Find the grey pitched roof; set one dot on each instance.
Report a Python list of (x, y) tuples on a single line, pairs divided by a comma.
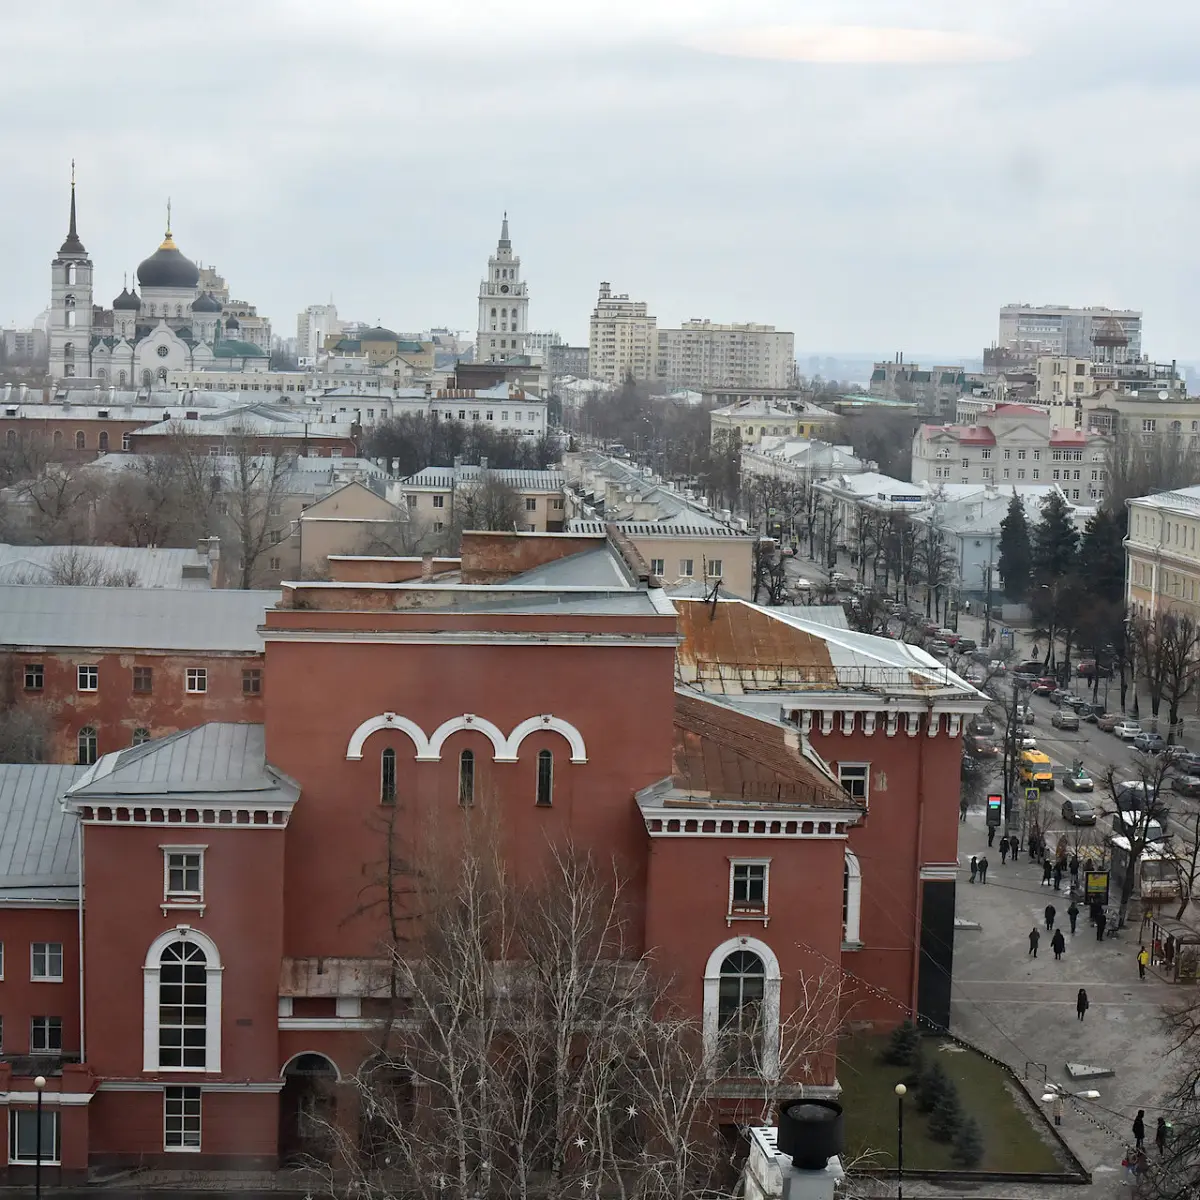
[(589, 568), (523, 481), (38, 851), (213, 762), (133, 618), (666, 529), (153, 567)]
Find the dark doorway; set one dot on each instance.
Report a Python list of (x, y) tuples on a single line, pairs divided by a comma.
[(307, 1109)]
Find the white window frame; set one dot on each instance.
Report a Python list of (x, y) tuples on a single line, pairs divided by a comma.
[(772, 984), (184, 1100), (34, 977), (715, 566), (687, 568), (94, 676), (852, 926), (46, 1049), (866, 779), (51, 1155), (182, 900), (151, 973), (196, 681), (658, 566), (762, 914)]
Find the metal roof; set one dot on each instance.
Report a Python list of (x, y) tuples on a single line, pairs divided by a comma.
[(38, 852), (216, 761), (133, 618), (448, 477), (589, 568), (153, 567)]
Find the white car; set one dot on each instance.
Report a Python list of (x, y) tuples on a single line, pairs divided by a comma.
[(1127, 730), (1025, 740)]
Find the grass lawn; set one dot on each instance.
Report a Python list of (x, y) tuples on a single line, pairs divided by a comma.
[(1011, 1141)]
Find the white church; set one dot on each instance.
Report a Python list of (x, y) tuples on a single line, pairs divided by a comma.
[(173, 325)]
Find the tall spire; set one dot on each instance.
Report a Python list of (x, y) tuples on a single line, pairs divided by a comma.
[(168, 242), (72, 244), (505, 244)]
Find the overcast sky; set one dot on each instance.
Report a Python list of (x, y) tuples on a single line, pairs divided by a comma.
[(872, 174)]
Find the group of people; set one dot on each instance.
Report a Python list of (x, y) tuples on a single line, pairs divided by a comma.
[(1058, 943)]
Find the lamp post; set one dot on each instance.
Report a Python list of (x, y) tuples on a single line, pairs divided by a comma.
[(39, 1085), (1055, 1094), (900, 1093)]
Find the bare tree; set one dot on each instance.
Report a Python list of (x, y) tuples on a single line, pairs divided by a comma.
[(77, 566), (23, 735), (1185, 859), (1179, 657), (489, 504), (1135, 797), (252, 485), (59, 500)]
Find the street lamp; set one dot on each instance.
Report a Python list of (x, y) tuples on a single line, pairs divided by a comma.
[(900, 1093), (39, 1085)]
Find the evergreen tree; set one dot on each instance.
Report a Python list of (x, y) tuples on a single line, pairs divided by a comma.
[(932, 1086), (1055, 542), (1102, 557), (946, 1117), (1015, 551), (967, 1150), (904, 1046)]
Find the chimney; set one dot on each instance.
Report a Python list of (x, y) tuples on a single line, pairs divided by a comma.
[(457, 461), (426, 566)]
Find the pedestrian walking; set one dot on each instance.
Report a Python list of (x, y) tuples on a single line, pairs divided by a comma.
[(1047, 870), (1139, 1129), (974, 867), (1081, 1003), (962, 809), (1050, 913), (1034, 938), (1058, 874), (983, 866), (1074, 868), (1160, 1135), (1143, 957), (991, 835), (1058, 944), (1101, 921), (1058, 1107), (1032, 846), (1014, 845), (1003, 850), (1073, 916), (1094, 910)]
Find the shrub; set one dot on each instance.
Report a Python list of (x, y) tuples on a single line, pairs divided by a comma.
[(903, 1046), (967, 1150), (946, 1117), (932, 1086)]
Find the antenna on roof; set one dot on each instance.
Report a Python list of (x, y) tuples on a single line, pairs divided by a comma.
[(711, 600)]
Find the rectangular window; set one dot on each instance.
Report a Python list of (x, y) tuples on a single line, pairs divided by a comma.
[(1007, 454), (197, 679), (1, 960), (89, 679), (657, 566), (966, 463), (748, 888), (45, 1035), (183, 873), (439, 502), (181, 1118), (685, 567), (35, 677), (23, 1137), (855, 778), (985, 454), (714, 566), (1037, 456), (531, 504), (46, 962), (275, 564), (1020, 454), (252, 682), (143, 680)]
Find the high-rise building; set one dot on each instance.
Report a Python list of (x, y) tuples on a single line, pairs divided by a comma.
[(313, 326), (704, 354), (543, 340), (503, 305), (1029, 330), (622, 339)]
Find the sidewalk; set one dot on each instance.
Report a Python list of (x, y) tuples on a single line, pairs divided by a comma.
[(1022, 1010)]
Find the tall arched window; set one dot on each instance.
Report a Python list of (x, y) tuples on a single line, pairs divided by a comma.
[(181, 1021), (147, 378), (10, 438), (851, 900), (58, 439), (162, 374), (71, 274), (466, 778), (545, 778), (121, 378), (85, 746), (179, 310), (80, 440), (68, 350), (740, 997), (102, 441), (387, 777)]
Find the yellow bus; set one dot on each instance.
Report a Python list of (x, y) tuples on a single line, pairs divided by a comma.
[(1034, 770)]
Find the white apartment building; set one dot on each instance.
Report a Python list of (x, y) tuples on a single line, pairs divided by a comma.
[(1035, 329), (313, 326), (622, 338), (1162, 560), (505, 407), (702, 353), (1014, 444)]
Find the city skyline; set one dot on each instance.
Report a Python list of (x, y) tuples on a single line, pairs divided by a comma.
[(938, 169)]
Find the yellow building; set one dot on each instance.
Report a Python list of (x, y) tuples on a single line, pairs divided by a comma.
[(433, 495), (752, 420), (1162, 559)]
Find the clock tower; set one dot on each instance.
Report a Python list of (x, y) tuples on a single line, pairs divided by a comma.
[(503, 305)]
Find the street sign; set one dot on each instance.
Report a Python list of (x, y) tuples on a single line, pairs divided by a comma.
[(994, 810), (1033, 795)]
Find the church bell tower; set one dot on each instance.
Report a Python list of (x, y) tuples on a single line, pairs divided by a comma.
[(70, 333)]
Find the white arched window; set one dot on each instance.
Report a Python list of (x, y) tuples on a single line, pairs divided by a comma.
[(851, 900), (741, 1008), (181, 1019)]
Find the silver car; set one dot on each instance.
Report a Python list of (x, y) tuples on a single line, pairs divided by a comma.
[(1063, 718)]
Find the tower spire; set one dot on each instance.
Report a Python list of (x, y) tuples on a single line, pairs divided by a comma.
[(72, 244), (168, 242), (505, 244)]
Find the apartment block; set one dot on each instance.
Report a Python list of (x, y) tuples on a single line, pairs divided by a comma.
[(702, 353), (622, 338)]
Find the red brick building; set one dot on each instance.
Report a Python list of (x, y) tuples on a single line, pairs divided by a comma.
[(226, 953)]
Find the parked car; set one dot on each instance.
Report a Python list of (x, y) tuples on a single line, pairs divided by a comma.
[(1077, 811), (981, 747), (1127, 730), (1025, 739), (1087, 669), (965, 645), (1031, 666), (1044, 686), (1023, 679), (1063, 718), (1109, 721), (1186, 785), (982, 656), (997, 666), (1077, 703), (938, 648), (1059, 696), (1024, 714), (1186, 762), (1090, 712), (1078, 780), (983, 726), (1150, 743)]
